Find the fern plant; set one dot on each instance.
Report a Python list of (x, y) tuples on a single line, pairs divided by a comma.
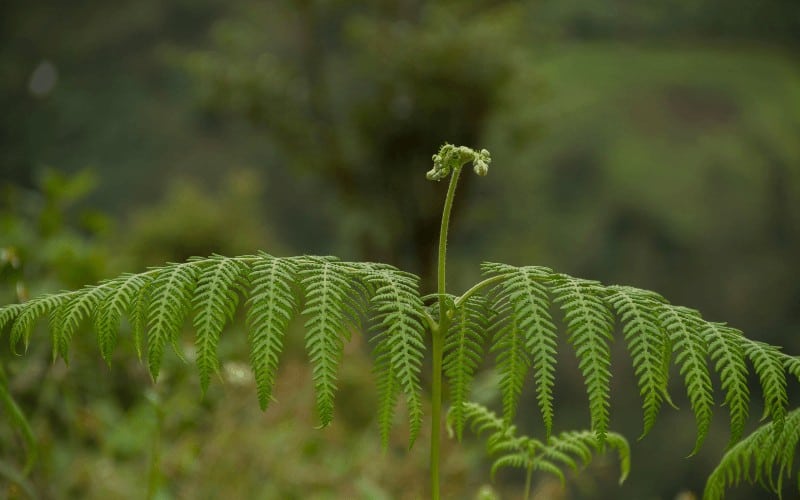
[(514, 313)]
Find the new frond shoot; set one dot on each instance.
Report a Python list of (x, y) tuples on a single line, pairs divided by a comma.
[(512, 314)]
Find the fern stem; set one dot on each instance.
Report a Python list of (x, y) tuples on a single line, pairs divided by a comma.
[(476, 288), (528, 476), (438, 337), (448, 207)]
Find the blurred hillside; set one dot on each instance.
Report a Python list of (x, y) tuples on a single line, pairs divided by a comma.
[(649, 143)]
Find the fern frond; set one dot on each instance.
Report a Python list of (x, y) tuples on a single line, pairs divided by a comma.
[(28, 312), (168, 303), (328, 288), (272, 304), (123, 296), (525, 290), (565, 450), (463, 352), (399, 319), (388, 390), (335, 295), (766, 457), (725, 351), (582, 444), (792, 364), (683, 326), (66, 319), (768, 363), (590, 325), (215, 301), (648, 345), (513, 360), (8, 314)]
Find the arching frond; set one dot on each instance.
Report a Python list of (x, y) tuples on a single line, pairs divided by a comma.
[(8, 314), (66, 318), (388, 390), (29, 312), (683, 326), (334, 296), (463, 352), (648, 345), (526, 294), (168, 303), (122, 297), (327, 289), (792, 364), (271, 305), (725, 351), (590, 325), (215, 300), (400, 324), (768, 363), (513, 360), (654, 331), (767, 457), (565, 450)]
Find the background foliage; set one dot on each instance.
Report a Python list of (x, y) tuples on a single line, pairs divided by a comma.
[(654, 145)]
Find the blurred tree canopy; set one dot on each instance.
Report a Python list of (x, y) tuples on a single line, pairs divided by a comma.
[(633, 142), (361, 94)]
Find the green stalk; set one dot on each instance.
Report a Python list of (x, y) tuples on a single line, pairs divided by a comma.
[(475, 289), (528, 476), (438, 339)]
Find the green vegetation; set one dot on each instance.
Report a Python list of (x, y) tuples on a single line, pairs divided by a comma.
[(509, 310), (652, 144)]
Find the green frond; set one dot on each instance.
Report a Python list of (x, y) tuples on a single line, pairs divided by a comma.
[(335, 295), (66, 319), (271, 305), (648, 346), (8, 314), (683, 326), (399, 319), (569, 447), (792, 364), (215, 301), (590, 325), (513, 360), (328, 288), (388, 390), (122, 298), (168, 303), (766, 457), (727, 355), (768, 363), (463, 352), (525, 290), (565, 450), (29, 312)]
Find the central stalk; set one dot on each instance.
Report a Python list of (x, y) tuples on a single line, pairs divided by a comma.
[(448, 161)]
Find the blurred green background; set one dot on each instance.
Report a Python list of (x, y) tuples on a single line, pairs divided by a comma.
[(648, 143)]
